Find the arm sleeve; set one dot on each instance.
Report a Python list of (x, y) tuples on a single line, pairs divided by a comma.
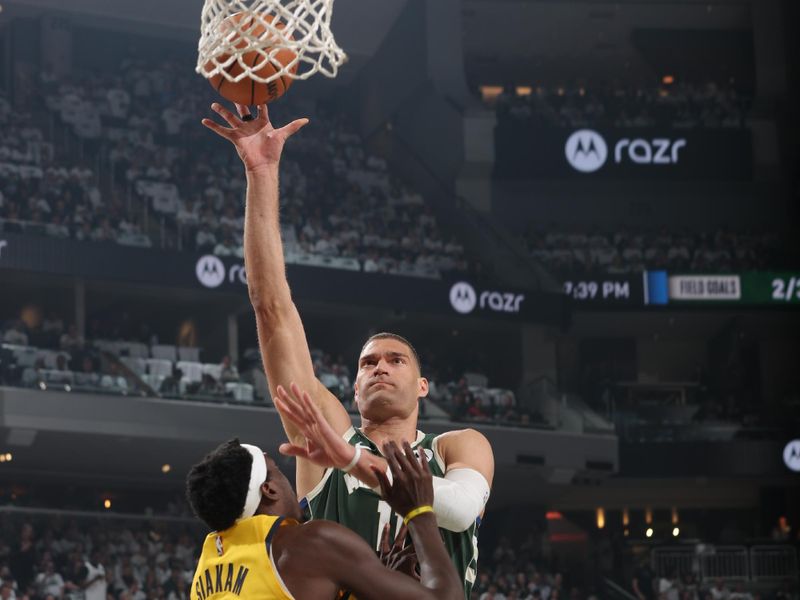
[(459, 498)]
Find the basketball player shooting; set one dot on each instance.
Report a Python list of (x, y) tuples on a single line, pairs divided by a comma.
[(338, 483)]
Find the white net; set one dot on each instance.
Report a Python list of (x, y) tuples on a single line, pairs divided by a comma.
[(241, 38)]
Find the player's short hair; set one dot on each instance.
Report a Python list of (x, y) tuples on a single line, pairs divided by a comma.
[(385, 335), (216, 487)]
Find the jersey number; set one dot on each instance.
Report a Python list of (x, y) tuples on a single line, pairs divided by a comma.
[(384, 516)]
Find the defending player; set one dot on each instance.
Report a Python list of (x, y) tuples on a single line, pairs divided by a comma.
[(388, 384), (258, 549)]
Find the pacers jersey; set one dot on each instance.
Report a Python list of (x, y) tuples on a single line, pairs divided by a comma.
[(343, 498), (237, 562)]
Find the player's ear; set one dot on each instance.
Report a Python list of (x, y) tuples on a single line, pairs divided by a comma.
[(269, 492), (422, 385)]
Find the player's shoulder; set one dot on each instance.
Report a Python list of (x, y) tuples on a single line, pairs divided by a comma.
[(458, 436), (316, 541)]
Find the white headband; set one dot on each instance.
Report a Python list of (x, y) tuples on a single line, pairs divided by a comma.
[(258, 475)]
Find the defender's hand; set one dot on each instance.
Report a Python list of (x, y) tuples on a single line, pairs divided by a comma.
[(397, 557), (258, 143), (324, 447), (412, 485)]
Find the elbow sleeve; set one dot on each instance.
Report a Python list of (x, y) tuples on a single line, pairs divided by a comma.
[(459, 498)]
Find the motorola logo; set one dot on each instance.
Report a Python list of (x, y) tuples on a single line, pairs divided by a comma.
[(463, 297), (210, 271), (791, 455), (586, 151)]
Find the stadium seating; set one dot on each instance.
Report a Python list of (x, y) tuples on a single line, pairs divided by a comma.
[(681, 105)]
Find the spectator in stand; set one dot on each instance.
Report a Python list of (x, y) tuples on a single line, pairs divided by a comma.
[(113, 379), (170, 386), (71, 341), (720, 591), (643, 581), (15, 334), (228, 371), (48, 582)]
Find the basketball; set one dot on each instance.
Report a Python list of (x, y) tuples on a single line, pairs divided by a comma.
[(248, 91)]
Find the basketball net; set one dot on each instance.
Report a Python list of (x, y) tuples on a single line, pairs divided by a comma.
[(267, 27)]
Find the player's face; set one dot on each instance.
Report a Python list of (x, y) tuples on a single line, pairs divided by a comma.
[(285, 502), (388, 382)]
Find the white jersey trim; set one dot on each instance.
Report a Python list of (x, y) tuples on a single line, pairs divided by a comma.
[(436, 455)]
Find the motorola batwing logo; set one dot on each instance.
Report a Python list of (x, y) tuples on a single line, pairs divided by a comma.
[(586, 150), (463, 297), (210, 271), (791, 455)]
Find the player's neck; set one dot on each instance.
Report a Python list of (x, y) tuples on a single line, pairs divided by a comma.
[(394, 430)]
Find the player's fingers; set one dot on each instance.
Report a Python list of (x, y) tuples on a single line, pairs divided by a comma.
[(408, 551), (232, 120), (244, 111), (263, 113), (286, 404), (400, 538), (391, 452), (306, 408), (217, 128), (424, 462), (383, 481), (385, 539), (293, 450), (303, 400), (407, 458), (293, 127)]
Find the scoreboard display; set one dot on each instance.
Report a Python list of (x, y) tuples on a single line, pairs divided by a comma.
[(752, 288)]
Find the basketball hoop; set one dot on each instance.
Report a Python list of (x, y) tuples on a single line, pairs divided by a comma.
[(233, 29)]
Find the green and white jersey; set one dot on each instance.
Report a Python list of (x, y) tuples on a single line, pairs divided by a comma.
[(343, 498)]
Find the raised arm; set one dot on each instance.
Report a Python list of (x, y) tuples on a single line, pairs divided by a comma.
[(281, 336)]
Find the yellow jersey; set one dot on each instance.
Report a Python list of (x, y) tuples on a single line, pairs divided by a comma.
[(237, 563)]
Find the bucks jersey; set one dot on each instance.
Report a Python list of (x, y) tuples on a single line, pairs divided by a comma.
[(237, 563), (345, 499)]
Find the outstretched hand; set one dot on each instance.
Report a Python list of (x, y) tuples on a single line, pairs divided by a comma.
[(412, 481), (258, 143), (324, 447)]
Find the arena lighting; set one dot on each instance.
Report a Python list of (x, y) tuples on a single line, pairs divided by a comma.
[(166, 468), (649, 532), (553, 515), (648, 515), (601, 518), (8, 456), (490, 92), (106, 503), (524, 90), (626, 517), (676, 532), (626, 532), (674, 515), (668, 80)]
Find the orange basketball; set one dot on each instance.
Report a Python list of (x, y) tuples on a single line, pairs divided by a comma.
[(249, 91)]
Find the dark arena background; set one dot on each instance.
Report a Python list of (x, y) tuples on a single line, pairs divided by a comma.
[(583, 214)]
